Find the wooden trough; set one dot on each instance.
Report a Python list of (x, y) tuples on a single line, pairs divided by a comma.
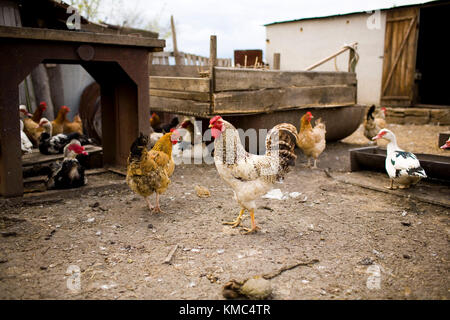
[(235, 93), (373, 158)]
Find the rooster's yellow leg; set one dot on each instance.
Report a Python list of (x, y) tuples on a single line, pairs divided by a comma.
[(315, 164), (157, 209), (150, 207), (236, 222), (254, 226), (308, 165)]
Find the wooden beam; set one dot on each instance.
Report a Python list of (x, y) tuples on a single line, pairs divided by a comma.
[(231, 79), (180, 84), (184, 95), (212, 65), (400, 18), (283, 98), (213, 51), (174, 71), (178, 106), (343, 49), (179, 60), (83, 37), (396, 98)]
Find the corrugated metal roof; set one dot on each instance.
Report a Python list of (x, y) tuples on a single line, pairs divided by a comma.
[(358, 12)]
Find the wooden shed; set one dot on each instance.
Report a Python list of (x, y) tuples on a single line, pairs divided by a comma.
[(402, 51), (119, 63)]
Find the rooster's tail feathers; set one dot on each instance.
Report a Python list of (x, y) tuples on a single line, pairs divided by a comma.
[(282, 138), (370, 112)]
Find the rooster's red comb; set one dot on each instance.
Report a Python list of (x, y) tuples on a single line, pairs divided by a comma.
[(214, 119)]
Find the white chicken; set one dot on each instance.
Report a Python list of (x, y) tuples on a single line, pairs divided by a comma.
[(27, 146), (249, 175), (402, 167)]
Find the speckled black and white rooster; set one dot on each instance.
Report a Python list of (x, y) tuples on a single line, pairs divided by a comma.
[(68, 173), (249, 175), (402, 167)]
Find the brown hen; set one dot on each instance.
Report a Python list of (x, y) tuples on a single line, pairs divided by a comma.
[(149, 172)]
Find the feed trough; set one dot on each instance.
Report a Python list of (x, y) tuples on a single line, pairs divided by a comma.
[(373, 158)]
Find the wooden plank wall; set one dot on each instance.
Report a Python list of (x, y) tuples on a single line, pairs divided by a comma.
[(245, 91), (183, 95), (253, 91)]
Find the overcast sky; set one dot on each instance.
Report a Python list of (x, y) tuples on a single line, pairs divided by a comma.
[(238, 24)]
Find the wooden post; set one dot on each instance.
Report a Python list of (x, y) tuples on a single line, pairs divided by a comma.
[(351, 65), (11, 183), (178, 59), (276, 61), (213, 52), (212, 64)]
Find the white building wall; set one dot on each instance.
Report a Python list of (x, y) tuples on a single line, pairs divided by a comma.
[(306, 42)]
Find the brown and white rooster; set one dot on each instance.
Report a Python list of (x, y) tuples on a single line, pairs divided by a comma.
[(311, 140), (249, 175)]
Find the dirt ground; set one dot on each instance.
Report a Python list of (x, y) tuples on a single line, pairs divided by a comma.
[(369, 244)]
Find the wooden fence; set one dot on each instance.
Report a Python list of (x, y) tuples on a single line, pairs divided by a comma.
[(188, 59)]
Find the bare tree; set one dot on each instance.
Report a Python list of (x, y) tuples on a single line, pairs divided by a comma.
[(117, 13)]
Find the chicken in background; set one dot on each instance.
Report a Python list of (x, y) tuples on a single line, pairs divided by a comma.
[(446, 145), (401, 166), (54, 144), (61, 118), (31, 128), (311, 140), (155, 121), (149, 172), (171, 125), (372, 125), (75, 126), (37, 115), (190, 144), (249, 175), (68, 173), (25, 143), (380, 118), (186, 136)]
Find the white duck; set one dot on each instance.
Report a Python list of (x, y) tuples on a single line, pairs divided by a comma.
[(27, 146), (402, 167)]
